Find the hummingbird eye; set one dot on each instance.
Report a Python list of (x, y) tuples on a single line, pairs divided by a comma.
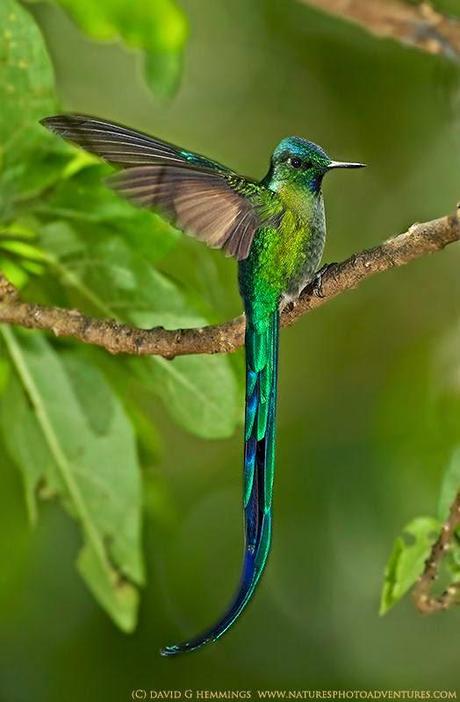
[(295, 162)]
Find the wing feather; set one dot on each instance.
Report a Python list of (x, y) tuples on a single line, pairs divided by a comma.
[(122, 146), (200, 196), (201, 203)]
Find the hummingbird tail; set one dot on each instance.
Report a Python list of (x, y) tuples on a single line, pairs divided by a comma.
[(259, 462)]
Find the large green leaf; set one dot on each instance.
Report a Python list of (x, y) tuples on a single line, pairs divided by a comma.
[(27, 81), (28, 158), (71, 438), (199, 392), (407, 559), (110, 278), (156, 27)]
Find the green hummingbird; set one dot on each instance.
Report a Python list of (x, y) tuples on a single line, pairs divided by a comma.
[(276, 230)]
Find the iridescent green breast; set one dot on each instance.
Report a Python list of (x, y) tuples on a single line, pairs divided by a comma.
[(284, 258), (313, 239)]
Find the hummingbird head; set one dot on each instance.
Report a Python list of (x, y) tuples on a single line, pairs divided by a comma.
[(296, 160)]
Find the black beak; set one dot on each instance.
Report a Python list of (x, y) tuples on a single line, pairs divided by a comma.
[(345, 164)]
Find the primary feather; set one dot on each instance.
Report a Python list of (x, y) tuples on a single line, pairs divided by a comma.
[(122, 146)]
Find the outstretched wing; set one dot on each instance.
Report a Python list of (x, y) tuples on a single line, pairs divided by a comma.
[(200, 196), (122, 146)]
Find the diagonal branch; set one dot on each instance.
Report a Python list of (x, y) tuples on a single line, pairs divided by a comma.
[(419, 240), (417, 25)]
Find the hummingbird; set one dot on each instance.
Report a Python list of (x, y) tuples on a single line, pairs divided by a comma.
[(275, 228)]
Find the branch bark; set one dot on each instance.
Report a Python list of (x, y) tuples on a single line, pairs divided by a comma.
[(424, 600), (416, 25), (419, 240)]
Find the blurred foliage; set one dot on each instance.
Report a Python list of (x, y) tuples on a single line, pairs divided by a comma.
[(62, 421), (408, 557), (411, 550), (158, 28), (19, 256), (73, 441)]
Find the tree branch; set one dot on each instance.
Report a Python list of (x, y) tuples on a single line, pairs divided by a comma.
[(419, 240), (423, 598), (416, 25)]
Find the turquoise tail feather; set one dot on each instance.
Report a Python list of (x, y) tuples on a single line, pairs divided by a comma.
[(259, 461)]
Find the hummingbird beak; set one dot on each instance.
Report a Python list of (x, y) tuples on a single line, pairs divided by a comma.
[(345, 164)]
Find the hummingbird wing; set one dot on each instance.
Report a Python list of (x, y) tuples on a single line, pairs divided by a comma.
[(122, 146), (221, 210), (201, 197)]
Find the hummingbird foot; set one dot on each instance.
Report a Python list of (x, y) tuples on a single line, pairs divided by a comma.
[(288, 302), (317, 283)]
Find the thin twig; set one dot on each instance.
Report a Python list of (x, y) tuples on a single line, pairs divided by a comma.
[(419, 240), (416, 25), (424, 600)]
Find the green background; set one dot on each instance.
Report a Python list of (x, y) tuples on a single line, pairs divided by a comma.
[(369, 384)]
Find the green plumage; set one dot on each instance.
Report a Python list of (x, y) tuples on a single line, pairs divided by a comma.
[(276, 231)]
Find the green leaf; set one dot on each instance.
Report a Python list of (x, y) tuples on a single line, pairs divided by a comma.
[(22, 249), (18, 257), (5, 369), (18, 230), (136, 404), (450, 485), (27, 85), (26, 94), (33, 455), (199, 392), (407, 559), (156, 27), (13, 272), (71, 438)]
